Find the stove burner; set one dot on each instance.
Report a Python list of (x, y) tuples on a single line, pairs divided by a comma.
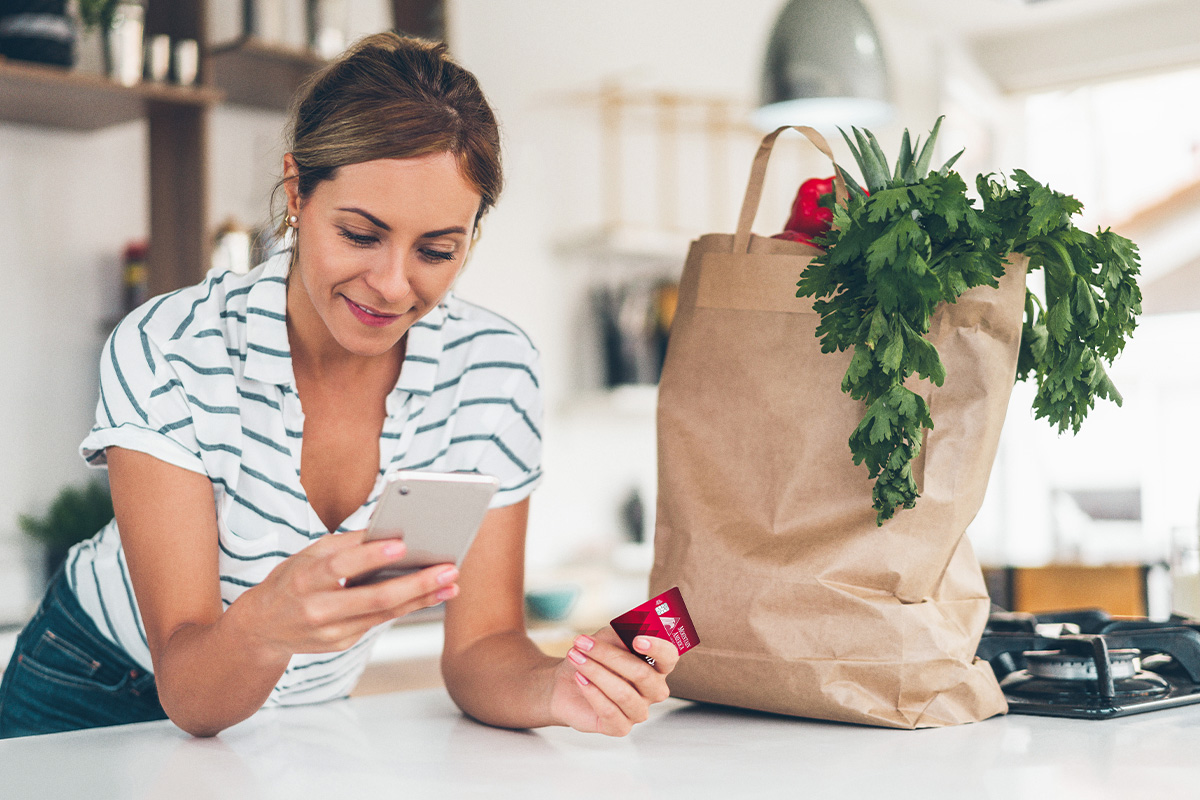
[(1143, 685), (1057, 665), (1088, 665)]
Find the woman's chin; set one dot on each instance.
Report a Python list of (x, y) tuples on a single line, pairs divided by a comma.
[(370, 347)]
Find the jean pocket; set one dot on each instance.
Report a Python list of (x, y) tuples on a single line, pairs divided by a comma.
[(74, 676), (41, 699), (58, 654)]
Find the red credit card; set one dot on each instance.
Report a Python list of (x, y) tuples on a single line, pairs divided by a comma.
[(664, 617)]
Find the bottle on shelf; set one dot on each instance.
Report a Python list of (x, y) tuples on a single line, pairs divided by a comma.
[(134, 275)]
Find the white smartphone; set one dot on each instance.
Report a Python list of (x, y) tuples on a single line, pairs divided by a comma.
[(437, 514)]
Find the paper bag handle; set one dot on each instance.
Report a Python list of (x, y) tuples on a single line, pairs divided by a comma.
[(758, 173)]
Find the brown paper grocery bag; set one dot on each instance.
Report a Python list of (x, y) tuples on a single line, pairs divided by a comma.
[(803, 604)]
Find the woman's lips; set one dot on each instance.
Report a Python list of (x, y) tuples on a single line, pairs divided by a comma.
[(369, 316)]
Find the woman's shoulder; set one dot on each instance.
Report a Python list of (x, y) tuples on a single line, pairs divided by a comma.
[(199, 315)]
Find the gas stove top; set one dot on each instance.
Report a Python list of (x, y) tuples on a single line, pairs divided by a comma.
[(1089, 665)]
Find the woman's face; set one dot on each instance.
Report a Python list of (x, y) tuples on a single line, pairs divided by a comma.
[(379, 246)]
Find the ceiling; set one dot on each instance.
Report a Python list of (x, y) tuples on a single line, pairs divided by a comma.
[(975, 17), (1034, 45)]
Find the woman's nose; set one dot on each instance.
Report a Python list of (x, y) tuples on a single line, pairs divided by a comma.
[(391, 280)]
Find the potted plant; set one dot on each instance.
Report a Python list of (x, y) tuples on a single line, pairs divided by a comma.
[(120, 27), (77, 513), (97, 14)]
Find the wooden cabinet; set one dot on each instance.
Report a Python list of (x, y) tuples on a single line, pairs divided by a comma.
[(1119, 589)]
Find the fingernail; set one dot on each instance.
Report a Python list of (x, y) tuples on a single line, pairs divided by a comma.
[(641, 643), (446, 594), (576, 656), (581, 680), (584, 643), (447, 576), (393, 549)]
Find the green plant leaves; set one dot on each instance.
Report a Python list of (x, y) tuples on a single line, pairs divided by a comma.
[(74, 515), (917, 241), (1092, 299)]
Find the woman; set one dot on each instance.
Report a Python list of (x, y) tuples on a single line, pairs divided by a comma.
[(248, 423)]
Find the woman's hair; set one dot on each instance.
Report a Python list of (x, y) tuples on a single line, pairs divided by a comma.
[(389, 96)]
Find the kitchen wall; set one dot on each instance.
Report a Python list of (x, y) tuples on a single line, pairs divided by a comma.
[(68, 203)]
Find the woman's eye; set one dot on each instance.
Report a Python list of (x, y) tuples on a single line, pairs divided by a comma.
[(438, 256), (357, 239)]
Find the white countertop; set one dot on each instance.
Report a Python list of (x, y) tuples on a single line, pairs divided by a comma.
[(418, 745)]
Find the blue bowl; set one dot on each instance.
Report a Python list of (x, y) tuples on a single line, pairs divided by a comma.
[(553, 603)]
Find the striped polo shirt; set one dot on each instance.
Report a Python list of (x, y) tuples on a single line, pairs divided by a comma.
[(202, 378)]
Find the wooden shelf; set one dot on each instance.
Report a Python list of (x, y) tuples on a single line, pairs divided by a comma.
[(50, 96), (256, 73)]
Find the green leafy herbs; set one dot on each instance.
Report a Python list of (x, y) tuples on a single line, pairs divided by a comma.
[(912, 240), (1091, 299)]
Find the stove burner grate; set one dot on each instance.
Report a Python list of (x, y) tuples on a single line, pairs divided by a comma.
[(1143, 685), (1112, 668)]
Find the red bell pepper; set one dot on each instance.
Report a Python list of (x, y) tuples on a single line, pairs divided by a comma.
[(808, 215)]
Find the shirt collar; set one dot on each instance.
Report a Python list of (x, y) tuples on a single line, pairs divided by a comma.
[(422, 353), (268, 353)]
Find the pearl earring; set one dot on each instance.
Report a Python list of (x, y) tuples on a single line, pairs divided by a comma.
[(293, 221)]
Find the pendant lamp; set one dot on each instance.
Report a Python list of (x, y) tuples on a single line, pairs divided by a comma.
[(824, 67)]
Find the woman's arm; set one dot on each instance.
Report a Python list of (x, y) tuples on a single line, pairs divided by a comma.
[(215, 669), (497, 675)]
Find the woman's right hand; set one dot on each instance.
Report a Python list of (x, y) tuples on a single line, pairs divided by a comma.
[(303, 606)]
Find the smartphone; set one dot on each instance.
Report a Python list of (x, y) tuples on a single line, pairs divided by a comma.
[(437, 514)]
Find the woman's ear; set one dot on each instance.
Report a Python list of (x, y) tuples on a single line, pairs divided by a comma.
[(291, 184)]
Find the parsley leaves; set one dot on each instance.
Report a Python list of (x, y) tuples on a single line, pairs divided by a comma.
[(913, 240)]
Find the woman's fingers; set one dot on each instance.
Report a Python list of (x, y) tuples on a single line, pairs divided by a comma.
[(610, 718), (432, 584), (628, 684), (396, 597), (333, 615), (350, 629), (664, 654), (648, 679), (354, 559)]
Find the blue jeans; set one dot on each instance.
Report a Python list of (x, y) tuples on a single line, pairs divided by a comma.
[(65, 675)]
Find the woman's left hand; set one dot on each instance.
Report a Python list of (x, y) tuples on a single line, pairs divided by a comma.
[(602, 687)]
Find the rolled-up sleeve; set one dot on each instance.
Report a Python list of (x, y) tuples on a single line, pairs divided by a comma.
[(143, 404)]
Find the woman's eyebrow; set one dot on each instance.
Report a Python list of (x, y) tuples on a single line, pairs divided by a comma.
[(443, 232), (376, 221), (371, 217)]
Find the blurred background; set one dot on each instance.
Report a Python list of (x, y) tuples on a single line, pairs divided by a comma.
[(628, 126)]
